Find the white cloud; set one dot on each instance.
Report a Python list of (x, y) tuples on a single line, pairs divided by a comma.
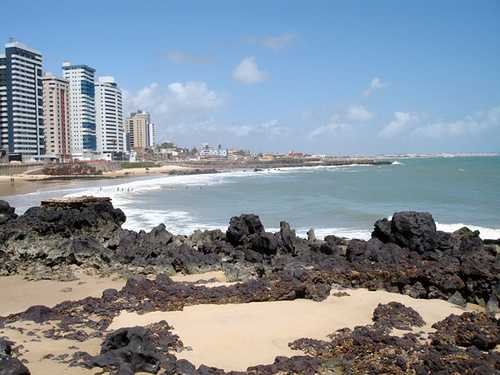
[(354, 115), (401, 122), (274, 42), (358, 113), (418, 127), (270, 128), (186, 103), (333, 126), (248, 72), (180, 57), (469, 126), (375, 84)]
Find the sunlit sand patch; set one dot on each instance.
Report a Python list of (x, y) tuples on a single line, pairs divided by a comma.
[(236, 336)]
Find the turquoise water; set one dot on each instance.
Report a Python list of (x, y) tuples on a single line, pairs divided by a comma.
[(340, 200)]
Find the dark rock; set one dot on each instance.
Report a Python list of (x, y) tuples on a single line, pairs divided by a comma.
[(287, 237), (8, 364), (468, 329), (397, 315), (382, 230), (457, 299), (416, 290), (264, 243), (242, 226), (6, 212), (414, 230), (37, 314)]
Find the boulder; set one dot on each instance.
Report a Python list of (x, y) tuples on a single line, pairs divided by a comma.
[(8, 364), (414, 230), (242, 226), (6, 212)]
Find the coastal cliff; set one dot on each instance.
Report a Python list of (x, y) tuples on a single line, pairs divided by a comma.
[(405, 255)]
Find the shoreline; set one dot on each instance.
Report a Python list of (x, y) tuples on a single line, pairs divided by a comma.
[(26, 183)]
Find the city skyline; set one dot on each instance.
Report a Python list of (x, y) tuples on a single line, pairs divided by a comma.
[(366, 79)]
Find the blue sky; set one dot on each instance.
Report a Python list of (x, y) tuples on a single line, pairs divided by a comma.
[(319, 76)]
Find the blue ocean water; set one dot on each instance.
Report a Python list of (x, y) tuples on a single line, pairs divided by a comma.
[(334, 200)]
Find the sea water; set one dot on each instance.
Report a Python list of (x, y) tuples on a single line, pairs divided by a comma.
[(345, 201)]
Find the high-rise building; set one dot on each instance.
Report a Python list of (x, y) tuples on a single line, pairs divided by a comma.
[(140, 131), (109, 116), (152, 134), (55, 107), (81, 108), (21, 102)]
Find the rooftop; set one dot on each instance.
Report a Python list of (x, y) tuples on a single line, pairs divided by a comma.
[(68, 66), (15, 44)]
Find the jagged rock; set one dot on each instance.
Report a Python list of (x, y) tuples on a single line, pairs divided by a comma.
[(468, 329), (8, 364), (492, 305), (457, 299), (6, 212), (242, 226), (396, 315), (136, 349), (414, 230), (416, 290), (264, 243), (382, 230), (287, 237), (37, 314)]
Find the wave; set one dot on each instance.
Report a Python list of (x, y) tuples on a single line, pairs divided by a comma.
[(484, 232), (397, 163), (183, 223)]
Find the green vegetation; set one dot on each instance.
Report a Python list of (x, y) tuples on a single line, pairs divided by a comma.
[(138, 164)]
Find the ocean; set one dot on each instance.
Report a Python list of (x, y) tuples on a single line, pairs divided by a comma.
[(345, 201)]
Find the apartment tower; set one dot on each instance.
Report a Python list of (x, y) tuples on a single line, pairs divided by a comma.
[(21, 102), (140, 130), (109, 116), (55, 108), (82, 118)]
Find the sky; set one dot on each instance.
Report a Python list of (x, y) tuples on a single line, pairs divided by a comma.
[(336, 77)]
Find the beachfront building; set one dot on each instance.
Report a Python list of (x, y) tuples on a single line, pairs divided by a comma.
[(152, 135), (140, 131), (109, 117), (208, 152), (21, 103), (81, 108), (55, 108)]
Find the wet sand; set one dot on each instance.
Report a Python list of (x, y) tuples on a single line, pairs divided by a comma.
[(25, 183)]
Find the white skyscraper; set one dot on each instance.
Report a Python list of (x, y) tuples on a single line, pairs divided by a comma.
[(109, 116), (152, 135), (81, 108), (21, 102)]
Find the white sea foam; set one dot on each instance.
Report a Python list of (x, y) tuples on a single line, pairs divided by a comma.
[(484, 232), (397, 163)]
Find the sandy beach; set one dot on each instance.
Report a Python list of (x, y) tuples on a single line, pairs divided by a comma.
[(254, 333)]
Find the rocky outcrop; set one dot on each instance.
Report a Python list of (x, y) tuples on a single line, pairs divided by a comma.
[(136, 349), (374, 350), (406, 254), (10, 365), (467, 330), (397, 315), (6, 212)]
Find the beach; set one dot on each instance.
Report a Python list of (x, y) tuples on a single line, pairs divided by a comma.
[(210, 331), (125, 278)]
